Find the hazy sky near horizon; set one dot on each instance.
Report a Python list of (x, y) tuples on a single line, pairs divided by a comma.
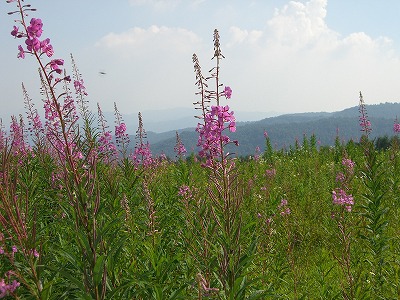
[(280, 55)]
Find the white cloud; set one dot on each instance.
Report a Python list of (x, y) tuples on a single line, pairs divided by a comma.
[(240, 36), (303, 65), (296, 63), (155, 38), (298, 24), (152, 67)]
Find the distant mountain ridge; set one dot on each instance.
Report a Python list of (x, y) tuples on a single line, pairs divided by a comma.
[(160, 121), (283, 130)]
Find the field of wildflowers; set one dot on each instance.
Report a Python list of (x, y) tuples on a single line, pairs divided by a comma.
[(82, 217)]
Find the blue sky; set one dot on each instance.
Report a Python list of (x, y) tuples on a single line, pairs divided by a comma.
[(283, 56)]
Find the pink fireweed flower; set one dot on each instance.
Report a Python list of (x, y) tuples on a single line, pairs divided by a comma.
[(35, 30), (232, 126), (15, 32), (50, 114), (46, 47), (270, 173), (18, 144), (55, 65), (228, 92), (340, 197), (7, 289), (284, 209), (211, 138), (120, 130), (257, 152), (396, 126), (364, 122), (283, 203), (106, 145), (35, 253), (121, 136), (349, 164), (340, 177), (32, 44), (142, 155), (69, 109), (185, 192), (80, 87), (21, 53), (36, 122), (179, 148)]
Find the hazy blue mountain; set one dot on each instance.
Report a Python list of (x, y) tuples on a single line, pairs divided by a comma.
[(160, 121), (285, 129)]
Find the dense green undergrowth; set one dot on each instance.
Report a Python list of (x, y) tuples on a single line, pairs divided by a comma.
[(149, 241)]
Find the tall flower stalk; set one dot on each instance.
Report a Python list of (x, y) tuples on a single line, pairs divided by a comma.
[(75, 156), (179, 148), (342, 198), (224, 197), (121, 136), (364, 121), (142, 154)]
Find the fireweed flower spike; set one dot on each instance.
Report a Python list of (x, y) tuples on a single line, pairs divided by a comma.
[(215, 71), (179, 148), (106, 146), (55, 65), (396, 126), (142, 153), (228, 92), (121, 136), (340, 197), (364, 122), (224, 198), (211, 137)]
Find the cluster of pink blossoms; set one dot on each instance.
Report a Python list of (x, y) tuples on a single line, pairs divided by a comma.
[(270, 173), (284, 209), (106, 145), (80, 87), (396, 126), (18, 145), (349, 164), (142, 155), (185, 192), (211, 137), (180, 149), (364, 122), (120, 130), (33, 45), (7, 289), (228, 92), (340, 197)]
